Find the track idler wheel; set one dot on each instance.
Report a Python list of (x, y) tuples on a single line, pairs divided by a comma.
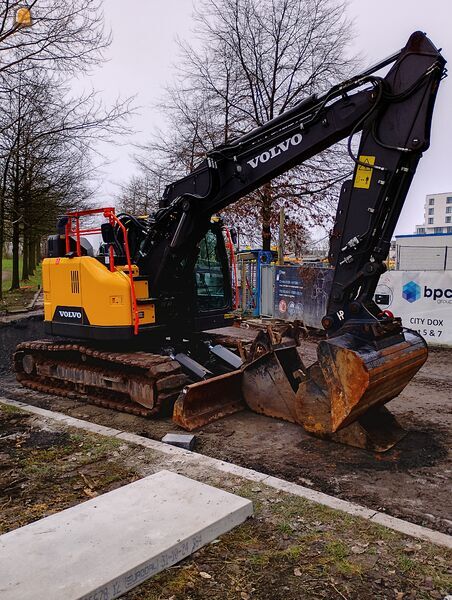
[(28, 364)]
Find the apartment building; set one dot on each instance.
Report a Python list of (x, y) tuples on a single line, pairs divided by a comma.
[(437, 214)]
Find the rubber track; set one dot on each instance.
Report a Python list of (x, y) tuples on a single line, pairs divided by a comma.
[(159, 371)]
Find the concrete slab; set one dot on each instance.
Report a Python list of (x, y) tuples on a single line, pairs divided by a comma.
[(106, 546)]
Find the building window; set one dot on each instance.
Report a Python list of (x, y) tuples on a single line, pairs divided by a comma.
[(449, 229), (448, 210), (430, 221), (449, 200), (437, 230), (448, 219), (421, 229), (431, 201)]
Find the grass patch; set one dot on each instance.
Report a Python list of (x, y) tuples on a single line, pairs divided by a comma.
[(13, 300), (47, 470), (183, 579), (336, 550), (285, 528), (294, 507), (293, 552), (406, 564), (7, 409)]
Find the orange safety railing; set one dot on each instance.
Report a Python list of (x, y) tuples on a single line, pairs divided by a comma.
[(73, 230), (232, 267)]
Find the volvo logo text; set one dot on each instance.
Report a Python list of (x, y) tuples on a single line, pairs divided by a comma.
[(70, 314), (276, 150)]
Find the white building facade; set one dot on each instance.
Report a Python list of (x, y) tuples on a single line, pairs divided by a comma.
[(437, 214)]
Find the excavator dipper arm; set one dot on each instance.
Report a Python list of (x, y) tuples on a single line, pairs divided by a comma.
[(394, 136)]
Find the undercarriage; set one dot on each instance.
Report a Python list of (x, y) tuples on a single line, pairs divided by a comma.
[(340, 397)]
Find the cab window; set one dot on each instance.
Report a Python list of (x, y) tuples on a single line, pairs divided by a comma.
[(209, 275)]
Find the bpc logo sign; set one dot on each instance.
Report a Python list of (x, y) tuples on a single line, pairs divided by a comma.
[(411, 291)]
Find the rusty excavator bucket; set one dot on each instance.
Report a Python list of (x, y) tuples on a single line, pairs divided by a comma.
[(340, 397)]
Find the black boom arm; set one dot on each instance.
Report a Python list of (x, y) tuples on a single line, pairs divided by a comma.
[(394, 115)]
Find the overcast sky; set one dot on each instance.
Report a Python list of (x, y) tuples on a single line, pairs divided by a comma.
[(144, 51)]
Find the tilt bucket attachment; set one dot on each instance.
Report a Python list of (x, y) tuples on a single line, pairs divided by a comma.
[(205, 401), (209, 400)]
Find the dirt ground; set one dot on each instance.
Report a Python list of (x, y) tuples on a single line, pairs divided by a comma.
[(44, 470), (292, 549), (412, 481)]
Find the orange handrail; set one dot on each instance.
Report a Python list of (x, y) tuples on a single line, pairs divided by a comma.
[(233, 262), (108, 213)]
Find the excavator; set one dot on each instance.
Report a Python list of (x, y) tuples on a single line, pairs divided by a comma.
[(128, 326)]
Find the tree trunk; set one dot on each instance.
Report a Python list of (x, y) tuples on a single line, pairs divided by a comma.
[(15, 284), (25, 256), (2, 240), (266, 213), (29, 222), (2, 220), (31, 256), (38, 256)]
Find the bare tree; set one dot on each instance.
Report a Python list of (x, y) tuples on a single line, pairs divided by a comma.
[(46, 159), (140, 195), (65, 35), (256, 59), (47, 137)]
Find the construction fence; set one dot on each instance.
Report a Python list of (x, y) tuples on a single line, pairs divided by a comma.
[(423, 258), (423, 299)]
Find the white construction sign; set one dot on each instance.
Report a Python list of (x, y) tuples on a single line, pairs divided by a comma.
[(423, 299)]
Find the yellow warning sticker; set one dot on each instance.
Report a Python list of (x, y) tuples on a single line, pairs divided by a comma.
[(364, 174)]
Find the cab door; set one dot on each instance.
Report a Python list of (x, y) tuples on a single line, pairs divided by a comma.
[(212, 280)]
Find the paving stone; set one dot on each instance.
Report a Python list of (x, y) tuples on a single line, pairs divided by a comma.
[(110, 544), (153, 445), (181, 440)]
